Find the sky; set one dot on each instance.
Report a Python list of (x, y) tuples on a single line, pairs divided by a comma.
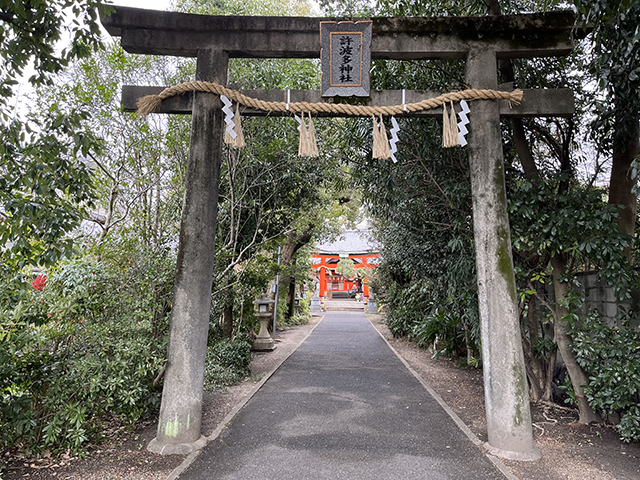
[(150, 4), (164, 4), (24, 88)]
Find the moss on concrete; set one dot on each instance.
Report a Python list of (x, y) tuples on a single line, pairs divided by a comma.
[(172, 428), (521, 395), (505, 264)]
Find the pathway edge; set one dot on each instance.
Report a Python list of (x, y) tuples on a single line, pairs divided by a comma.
[(239, 406), (506, 471)]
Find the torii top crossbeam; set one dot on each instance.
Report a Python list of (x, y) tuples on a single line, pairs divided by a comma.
[(181, 34), (510, 36)]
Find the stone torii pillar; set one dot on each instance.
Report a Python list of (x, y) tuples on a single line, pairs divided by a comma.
[(478, 40), (181, 408), (505, 378)]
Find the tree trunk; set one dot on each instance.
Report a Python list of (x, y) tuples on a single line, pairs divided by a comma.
[(227, 317), (626, 147), (295, 243), (548, 384), (535, 365), (563, 339), (524, 152), (468, 345), (291, 298)]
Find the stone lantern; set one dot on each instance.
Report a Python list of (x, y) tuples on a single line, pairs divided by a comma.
[(264, 342), (296, 304), (372, 305)]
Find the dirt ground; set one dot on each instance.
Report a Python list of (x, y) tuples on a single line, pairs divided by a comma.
[(570, 451)]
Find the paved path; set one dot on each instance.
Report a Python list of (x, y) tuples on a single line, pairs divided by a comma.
[(343, 406)]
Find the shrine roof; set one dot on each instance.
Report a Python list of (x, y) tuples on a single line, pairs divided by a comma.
[(350, 242)]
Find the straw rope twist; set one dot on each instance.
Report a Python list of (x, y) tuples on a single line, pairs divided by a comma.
[(151, 103)]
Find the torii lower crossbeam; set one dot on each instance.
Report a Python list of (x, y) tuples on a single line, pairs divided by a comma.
[(537, 103)]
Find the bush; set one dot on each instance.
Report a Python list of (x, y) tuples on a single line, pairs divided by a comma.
[(300, 317), (611, 356), (82, 351), (441, 327), (406, 306), (228, 362)]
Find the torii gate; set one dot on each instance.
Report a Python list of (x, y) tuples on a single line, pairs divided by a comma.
[(481, 41)]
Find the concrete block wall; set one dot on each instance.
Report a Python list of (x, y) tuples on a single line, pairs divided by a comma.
[(597, 295)]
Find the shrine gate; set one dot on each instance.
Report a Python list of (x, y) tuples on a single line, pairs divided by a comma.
[(352, 245), (480, 41)]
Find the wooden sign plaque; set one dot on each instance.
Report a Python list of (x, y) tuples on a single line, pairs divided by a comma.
[(346, 58)]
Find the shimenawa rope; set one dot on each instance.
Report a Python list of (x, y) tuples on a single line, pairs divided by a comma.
[(151, 103)]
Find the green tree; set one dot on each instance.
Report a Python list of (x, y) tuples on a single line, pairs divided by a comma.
[(32, 30), (269, 196), (265, 189), (137, 174), (44, 182), (422, 208), (541, 156), (615, 64)]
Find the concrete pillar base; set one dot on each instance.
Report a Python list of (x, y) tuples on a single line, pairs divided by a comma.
[(176, 448), (528, 456), (263, 345)]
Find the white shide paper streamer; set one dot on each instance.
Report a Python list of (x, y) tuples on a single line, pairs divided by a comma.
[(464, 120), (395, 128), (228, 116)]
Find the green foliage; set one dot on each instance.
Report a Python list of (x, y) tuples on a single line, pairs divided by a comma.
[(422, 211), (406, 307), (242, 7), (578, 223), (45, 184), (346, 268), (301, 317), (138, 171), (439, 326), (228, 362), (611, 356), (83, 351), (629, 426), (615, 60), (347, 8), (567, 388), (30, 32), (454, 325), (421, 204), (427, 255)]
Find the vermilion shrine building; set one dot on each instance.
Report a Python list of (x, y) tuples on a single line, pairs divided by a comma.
[(325, 260)]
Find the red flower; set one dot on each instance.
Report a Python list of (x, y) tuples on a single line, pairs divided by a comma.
[(39, 282)]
